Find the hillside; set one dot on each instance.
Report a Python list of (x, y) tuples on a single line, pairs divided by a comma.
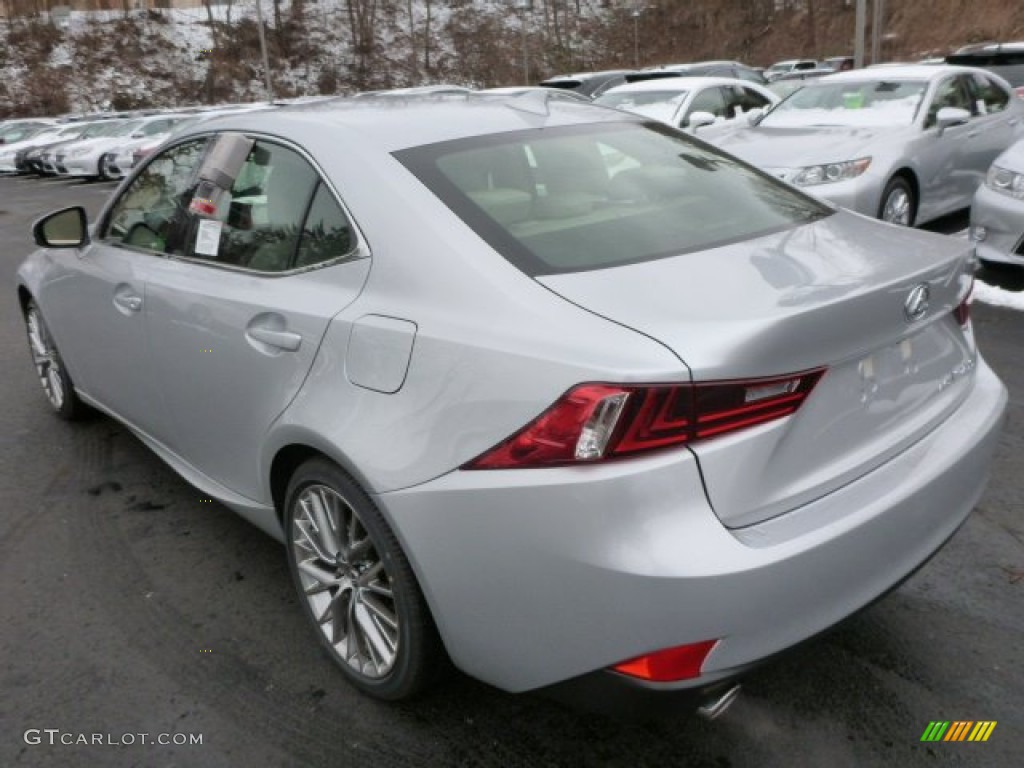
[(162, 58)]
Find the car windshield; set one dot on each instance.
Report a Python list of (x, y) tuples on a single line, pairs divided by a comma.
[(850, 103), (123, 128), (585, 197), (659, 105)]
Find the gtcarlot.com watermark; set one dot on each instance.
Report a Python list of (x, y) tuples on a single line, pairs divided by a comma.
[(55, 737)]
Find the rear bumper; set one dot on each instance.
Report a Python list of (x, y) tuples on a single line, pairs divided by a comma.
[(1003, 220), (537, 577)]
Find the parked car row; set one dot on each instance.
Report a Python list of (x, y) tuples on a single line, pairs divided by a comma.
[(905, 144), (101, 147)]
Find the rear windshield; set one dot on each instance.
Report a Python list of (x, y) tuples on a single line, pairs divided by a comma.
[(584, 197)]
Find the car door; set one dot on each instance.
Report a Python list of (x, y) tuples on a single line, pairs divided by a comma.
[(236, 322), (994, 127), (946, 182), (100, 304)]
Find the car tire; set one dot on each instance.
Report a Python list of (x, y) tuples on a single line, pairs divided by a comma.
[(101, 167), (363, 598), (53, 376), (898, 205)]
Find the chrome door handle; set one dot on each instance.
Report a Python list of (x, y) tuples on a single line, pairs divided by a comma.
[(972, 134), (129, 302), (287, 340)]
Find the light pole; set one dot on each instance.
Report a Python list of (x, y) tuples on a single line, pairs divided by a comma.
[(523, 6), (636, 35), (263, 48), (877, 25)]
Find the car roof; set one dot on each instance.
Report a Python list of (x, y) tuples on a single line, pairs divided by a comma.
[(676, 83), (389, 125), (582, 76), (900, 72)]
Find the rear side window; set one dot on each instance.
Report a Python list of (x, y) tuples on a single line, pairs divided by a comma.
[(990, 97), (327, 233), (577, 198)]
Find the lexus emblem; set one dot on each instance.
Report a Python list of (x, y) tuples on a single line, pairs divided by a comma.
[(916, 305)]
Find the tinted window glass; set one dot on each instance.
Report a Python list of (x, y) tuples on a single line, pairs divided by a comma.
[(154, 204), (751, 99), (586, 197), (259, 221), (990, 96), (708, 100), (950, 93), (327, 233)]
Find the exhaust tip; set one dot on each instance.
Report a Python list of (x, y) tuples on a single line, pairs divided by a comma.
[(719, 703)]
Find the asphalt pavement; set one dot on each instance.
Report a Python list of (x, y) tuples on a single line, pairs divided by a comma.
[(132, 606)]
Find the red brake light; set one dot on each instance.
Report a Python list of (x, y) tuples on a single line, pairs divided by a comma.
[(594, 422), (680, 663)]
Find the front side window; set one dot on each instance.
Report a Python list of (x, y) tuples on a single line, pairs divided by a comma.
[(708, 100), (149, 211), (850, 103), (952, 92), (586, 197)]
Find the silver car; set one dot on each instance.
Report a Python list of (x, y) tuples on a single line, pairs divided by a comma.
[(997, 214), (689, 102), (906, 144), (553, 390)]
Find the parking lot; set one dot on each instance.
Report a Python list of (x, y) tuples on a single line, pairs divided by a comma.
[(134, 606)]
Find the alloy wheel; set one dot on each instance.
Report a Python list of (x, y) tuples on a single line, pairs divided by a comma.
[(345, 582), (46, 359), (897, 207)]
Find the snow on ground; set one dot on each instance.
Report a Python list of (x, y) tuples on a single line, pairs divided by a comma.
[(998, 297)]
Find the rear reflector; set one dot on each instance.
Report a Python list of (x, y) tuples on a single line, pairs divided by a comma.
[(594, 422), (962, 313), (683, 662)]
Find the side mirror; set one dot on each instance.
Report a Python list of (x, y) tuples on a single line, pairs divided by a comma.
[(700, 119), (754, 116), (950, 116), (66, 228)]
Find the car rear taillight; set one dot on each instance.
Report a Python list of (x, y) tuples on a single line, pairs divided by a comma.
[(140, 153), (962, 312), (683, 662), (595, 422)]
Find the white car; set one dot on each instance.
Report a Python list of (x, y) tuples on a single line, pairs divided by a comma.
[(116, 161), (9, 151), (83, 158), (689, 102)]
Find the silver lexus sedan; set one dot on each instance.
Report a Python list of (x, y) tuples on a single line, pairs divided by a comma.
[(906, 144), (553, 391)]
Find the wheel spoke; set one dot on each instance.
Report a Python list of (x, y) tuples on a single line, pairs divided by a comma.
[(378, 643), (380, 612), (307, 529), (319, 516), (322, 575)]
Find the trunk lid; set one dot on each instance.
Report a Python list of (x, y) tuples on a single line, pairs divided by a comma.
[(828, 294)]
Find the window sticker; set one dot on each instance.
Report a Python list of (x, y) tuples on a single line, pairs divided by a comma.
[(208, 238)]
